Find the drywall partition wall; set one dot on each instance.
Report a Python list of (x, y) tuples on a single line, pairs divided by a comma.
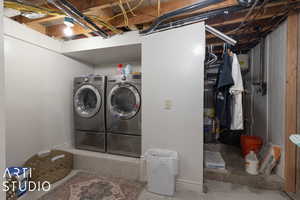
[(172, 94), (39, 92), (22, 32), (111, 69), (2, 122), (116, 54), (39, 86), (125, 39)]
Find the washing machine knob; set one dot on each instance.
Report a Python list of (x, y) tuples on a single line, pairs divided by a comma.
[(123, 78), (86, 79)]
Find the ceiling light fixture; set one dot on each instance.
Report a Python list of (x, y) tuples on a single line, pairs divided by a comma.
[(68, 31), (33, 15)]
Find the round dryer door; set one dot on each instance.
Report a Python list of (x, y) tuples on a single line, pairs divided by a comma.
[(124, 101), (87, 101)]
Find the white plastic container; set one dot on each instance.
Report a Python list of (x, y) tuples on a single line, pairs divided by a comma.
[(162, 169), (251, 163), (128, 70)]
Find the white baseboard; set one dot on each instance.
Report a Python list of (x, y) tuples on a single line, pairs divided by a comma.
[(63, 146), (183, 184)]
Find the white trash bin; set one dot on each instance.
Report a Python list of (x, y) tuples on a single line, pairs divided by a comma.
[(162, 169)]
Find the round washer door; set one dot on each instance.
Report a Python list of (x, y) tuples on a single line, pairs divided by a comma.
[(87, 101), (124, 101)]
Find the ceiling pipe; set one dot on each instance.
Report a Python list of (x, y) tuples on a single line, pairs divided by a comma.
[(74, 13), (197, 18), (169, 15), (246, 3)]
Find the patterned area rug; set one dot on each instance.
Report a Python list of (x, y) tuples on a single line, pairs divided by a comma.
[(87, 186)]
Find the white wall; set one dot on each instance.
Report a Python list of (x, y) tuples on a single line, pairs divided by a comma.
[(259, 102), (38, 98), (129, 38), (24, 33), (2, 123), (276, 89), (111, 69), (173, 70), (268, 111)]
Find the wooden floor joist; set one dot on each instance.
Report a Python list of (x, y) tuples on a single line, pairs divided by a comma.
[(146, 13)]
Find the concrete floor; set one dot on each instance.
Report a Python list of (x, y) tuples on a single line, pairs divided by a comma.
[(220, 191), (215, 191), (235, 171)]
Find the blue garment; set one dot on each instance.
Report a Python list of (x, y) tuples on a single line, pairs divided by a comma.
[(223, 111), (223, 97), (225, 73)]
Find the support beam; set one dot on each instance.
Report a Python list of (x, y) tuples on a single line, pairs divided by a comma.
[(84, 5), (291, 102), (298, 118), (44, 19)]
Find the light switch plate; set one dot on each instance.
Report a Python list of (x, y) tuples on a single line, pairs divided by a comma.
[(168, 104)]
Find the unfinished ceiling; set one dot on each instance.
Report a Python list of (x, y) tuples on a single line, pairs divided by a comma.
[(247, 24)]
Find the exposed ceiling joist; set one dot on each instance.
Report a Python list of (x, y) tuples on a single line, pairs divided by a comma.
[(141, 17), (84, 6), (239, 16), (240, 38), (149, 13), (58, 30), (258, 24)]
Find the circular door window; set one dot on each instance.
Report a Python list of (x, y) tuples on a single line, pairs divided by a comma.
[(124, 101), (87, 101)]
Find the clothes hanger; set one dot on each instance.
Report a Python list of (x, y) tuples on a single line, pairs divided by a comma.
[(212, 57)]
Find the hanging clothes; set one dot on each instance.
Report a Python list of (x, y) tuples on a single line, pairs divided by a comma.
[(223, 110), (236, 96), (225, 73), (223, 99)]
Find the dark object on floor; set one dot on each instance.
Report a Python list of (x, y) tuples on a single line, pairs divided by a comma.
[(90, 186), (50, 166), (230, 137), (251, 143)]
